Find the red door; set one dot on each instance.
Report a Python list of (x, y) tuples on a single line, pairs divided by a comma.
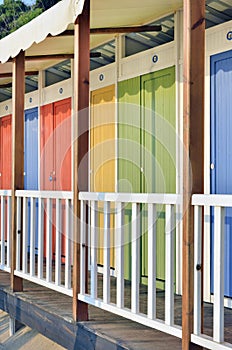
[(5, 152), (5, 159), (56, 154)]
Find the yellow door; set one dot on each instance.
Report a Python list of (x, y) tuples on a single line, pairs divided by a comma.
[(102, 155)]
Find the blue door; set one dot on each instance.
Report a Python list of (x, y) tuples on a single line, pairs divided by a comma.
[(31, 160), (221, 150)]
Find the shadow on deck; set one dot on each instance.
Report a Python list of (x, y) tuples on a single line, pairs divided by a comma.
[(50, 313)]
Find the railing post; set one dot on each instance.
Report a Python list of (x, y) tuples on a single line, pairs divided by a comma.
[(81, 139), (193, 137), (17, 153)]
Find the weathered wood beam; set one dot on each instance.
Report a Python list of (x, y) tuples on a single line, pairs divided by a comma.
[(124, 30), (115, 30), (81, 140), (18, 91), (9, 75), (194, 72), (52, 57)]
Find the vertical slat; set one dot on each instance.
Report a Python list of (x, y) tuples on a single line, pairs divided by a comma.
[(67, 245), (2, 231), (169, 265), (197, 270), (83, 247), (18, 91), (58, 243), (106, 267), (119, 240), (135, 250), (151, 307), (193, 142), (18, 237), (49, 241), (218, 309), (40, 236), (9, 213), (80, 142), (94, 233), (32, 238), (25, 233)]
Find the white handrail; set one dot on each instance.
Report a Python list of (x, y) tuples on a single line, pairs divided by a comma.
[(158, 198), (212, 200), (45, 194)]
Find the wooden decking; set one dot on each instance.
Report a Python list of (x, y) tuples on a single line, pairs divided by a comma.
[(50, 313)]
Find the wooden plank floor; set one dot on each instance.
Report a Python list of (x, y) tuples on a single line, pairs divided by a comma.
[(50, 313)]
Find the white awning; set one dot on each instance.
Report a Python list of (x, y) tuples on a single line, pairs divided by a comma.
[(35, 40), (53, 21)]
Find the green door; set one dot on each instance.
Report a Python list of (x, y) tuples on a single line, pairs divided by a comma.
[(129, 160), (146, 152), (158, 142)]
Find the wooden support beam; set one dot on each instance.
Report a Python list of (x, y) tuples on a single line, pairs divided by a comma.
[(115, 30), (81, 140), (124, 30), (18, 91), (53, 57), (194, 73), (9, 75), (46, 57)]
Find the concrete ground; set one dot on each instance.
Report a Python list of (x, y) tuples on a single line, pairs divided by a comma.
[(26, 338)]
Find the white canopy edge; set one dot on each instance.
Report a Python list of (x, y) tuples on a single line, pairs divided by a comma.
[(53, 21)]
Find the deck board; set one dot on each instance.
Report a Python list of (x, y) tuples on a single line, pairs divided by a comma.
[(50, 313)]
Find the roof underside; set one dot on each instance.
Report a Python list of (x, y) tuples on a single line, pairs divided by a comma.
[(108, 13)]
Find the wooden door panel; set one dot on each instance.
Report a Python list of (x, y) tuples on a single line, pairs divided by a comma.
[(102, 154), (46, 148)]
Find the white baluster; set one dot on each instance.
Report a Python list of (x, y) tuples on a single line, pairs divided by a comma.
[(218, 309), (197, 268), (106, 267), (151, 306), (119, 245), (18, 238), (40, 237), (169, 265), (94, 240), (25, 233), (2, 230), (58, 243), (32, 238), (83, 247), (135, 250), (49, 240), (9, 213), (67, 245)]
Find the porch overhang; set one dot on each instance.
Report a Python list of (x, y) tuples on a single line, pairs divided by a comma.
[(43, 35)]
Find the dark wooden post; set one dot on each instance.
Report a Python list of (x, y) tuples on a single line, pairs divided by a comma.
[(194, 73), (81, 131), (18, 90)]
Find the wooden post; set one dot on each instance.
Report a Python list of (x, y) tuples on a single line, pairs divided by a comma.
[(18, 91), (81, 139), (194, 72)]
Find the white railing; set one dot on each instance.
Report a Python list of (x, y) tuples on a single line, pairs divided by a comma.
[(44, 238), (112, 208), (5, 227), (219, 202)]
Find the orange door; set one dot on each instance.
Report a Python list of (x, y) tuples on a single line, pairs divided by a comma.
[(56, 154)]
